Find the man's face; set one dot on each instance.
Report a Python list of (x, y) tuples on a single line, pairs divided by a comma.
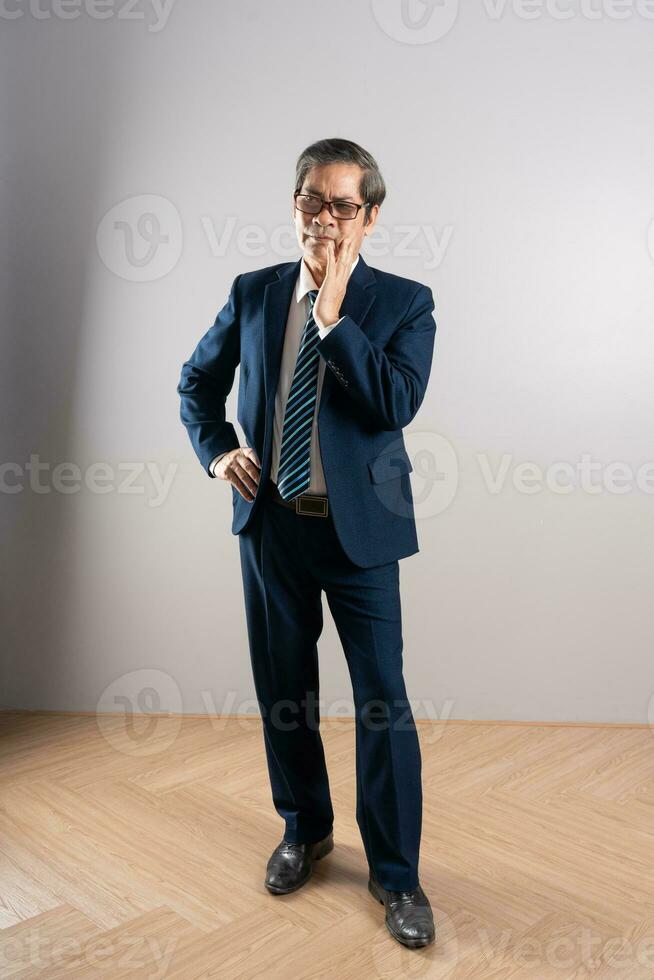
[(333, 182)]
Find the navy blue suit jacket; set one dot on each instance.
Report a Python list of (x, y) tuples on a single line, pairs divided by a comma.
[(378, 361)]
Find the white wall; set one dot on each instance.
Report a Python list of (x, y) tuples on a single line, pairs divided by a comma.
[(523, 148)]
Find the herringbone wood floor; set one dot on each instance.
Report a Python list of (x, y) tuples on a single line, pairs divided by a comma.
[(139, 850)]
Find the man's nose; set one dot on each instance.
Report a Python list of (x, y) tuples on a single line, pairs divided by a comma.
[(325, 213)]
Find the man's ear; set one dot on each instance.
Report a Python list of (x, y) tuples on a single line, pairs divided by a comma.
[(372, 218)]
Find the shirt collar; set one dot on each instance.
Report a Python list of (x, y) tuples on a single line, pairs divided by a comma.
[(306, 281)]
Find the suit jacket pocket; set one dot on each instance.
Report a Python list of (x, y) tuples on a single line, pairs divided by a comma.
[(389, 465)]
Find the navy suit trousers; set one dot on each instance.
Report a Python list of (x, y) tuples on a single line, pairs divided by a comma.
[(287, 559)]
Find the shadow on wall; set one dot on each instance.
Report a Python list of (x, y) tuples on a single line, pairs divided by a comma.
[(52, 149)]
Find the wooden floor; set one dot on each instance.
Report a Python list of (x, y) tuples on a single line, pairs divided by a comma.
[(139, 851)]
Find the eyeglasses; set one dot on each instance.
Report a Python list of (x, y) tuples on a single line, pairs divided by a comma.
[(310, 204)]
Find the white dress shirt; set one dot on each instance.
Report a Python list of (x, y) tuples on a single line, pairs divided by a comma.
[(297, 317)]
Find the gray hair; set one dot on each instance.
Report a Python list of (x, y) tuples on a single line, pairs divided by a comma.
[(324, 152)]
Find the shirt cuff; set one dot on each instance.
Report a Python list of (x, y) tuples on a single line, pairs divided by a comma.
[(215, 460), (323, 331)]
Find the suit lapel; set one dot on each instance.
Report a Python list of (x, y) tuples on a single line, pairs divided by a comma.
[(359, 297)]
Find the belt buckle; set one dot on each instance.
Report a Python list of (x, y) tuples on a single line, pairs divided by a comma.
[(316, 506)]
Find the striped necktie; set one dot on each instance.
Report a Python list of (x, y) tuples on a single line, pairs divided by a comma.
[(294, 471)]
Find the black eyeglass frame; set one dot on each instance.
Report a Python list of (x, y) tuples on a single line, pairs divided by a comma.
[(339, 217)]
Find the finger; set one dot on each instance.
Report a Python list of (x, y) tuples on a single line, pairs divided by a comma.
[(243, 483), (250, 453), (242, 489), (246, 470), (339, 260), (344, 254), (239, 480), (249, 467)]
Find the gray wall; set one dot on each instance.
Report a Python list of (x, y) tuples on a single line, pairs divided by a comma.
[(518, 148)]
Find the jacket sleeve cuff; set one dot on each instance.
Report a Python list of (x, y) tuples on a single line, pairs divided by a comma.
[(325, 331), (215, 461)]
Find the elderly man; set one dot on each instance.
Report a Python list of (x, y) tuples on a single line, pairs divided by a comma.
[(334, 359)]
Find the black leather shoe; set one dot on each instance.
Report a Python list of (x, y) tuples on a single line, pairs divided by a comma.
[(290, 865), (409, 918)]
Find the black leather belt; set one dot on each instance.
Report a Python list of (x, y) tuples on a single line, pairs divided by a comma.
[(311, 504)]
